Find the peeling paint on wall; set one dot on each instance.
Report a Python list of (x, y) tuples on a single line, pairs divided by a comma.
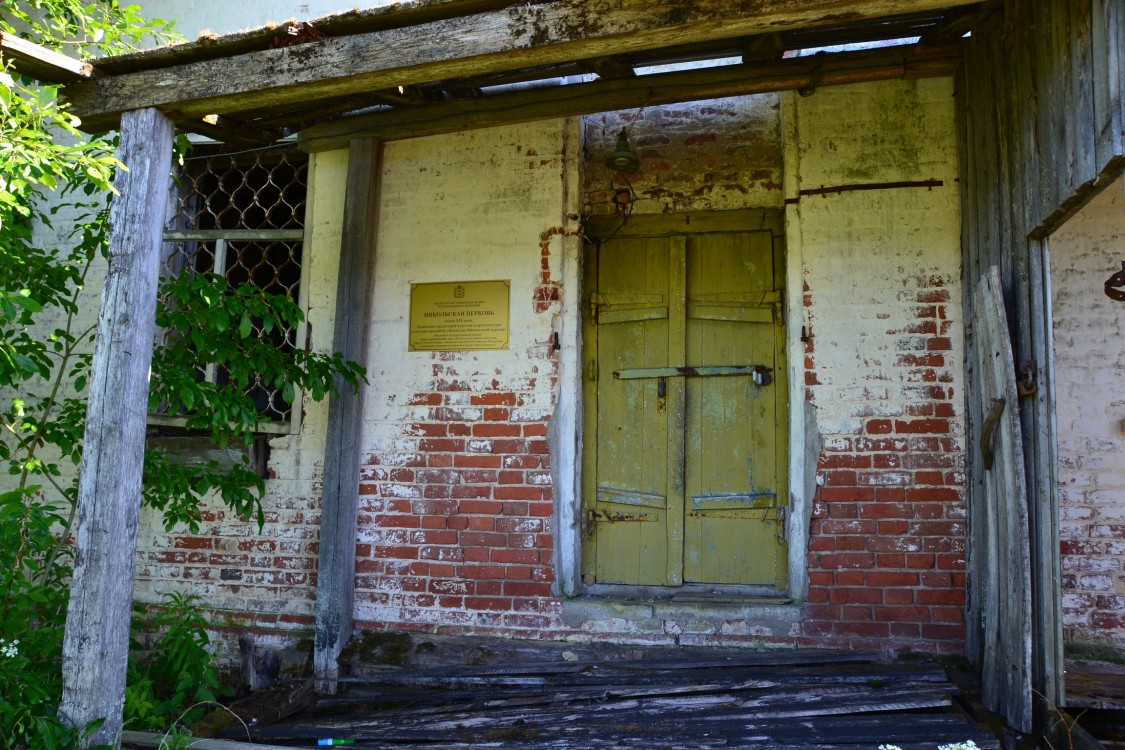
[(712, 155), (883, 365), (1090, 409)]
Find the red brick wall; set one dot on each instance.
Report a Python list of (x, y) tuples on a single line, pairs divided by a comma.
[(459, 525), (887, 540)]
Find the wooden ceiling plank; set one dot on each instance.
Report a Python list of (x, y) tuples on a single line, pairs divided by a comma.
[(225, 131), (38, 62), (520, 36), (666, 88)]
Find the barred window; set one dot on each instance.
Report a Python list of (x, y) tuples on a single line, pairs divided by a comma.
[(241, 214)]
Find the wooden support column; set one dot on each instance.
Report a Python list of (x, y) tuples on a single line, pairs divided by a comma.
[(96, 642), (335, 582)]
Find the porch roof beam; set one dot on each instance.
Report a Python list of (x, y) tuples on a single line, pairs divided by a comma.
[(665, 88), (523, 35), (40, 63)]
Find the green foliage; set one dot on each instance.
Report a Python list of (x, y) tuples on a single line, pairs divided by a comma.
[(32, 612), (52, 173), (172, 683), (232, 328), (81, 28)]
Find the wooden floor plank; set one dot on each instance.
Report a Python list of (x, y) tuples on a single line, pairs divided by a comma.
[(833, 701)]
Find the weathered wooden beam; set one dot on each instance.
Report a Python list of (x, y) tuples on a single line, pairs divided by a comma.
[(40, 63), (517, 37), (662, 88), (335, 583), (96, 641)]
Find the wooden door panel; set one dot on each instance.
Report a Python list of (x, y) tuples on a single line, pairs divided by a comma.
[(732, 423), (1000, 585), (630, 517), (670, 433)]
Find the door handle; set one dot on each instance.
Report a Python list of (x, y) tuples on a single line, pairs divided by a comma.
[(760, 373)]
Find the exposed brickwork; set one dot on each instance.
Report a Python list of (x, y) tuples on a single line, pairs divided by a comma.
[(711, 155), (456, 525), (883, 369), (457, 497), (887, 540), (232, 565), (1090, 392)]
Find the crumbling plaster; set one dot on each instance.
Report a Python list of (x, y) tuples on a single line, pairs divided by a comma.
[(1089, 388)]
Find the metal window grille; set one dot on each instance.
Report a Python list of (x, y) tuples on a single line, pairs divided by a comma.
[(242, 214)]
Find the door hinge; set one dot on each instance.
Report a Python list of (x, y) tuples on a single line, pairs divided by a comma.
[(592, 370)]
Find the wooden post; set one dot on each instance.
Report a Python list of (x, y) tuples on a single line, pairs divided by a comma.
[(96, 642), (335, 582)]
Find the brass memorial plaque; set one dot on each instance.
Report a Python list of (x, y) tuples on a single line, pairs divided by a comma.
[(459, 316)]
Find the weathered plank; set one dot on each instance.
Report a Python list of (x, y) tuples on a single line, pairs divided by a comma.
[(44, 65), (1083, 158), (96, 641), (1050, 105), (615, 94), (130, 738), (517, 37), (335, 585), (671, 706), (1006, 614), (1054, 73), (1043, 518), (1106, 79)]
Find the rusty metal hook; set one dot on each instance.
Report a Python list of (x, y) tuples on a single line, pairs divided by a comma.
[(814, 78), (1114, 283)]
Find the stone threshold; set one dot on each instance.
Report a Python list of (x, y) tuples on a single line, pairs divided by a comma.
[(723, 611)]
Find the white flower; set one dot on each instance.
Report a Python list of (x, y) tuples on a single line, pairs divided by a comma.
[(8, 649)]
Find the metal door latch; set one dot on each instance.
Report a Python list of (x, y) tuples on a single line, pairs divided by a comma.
[(1026, 385)]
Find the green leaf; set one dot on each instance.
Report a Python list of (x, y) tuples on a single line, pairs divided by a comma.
[(245, 327)]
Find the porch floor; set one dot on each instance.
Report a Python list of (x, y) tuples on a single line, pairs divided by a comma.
[(1095, 696), (501, 694)]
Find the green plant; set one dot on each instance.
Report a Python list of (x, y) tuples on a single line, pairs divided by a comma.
[(45, 365), (33, 574), (176, 673), (207, 321)]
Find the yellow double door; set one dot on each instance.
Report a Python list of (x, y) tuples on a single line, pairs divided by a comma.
[(685, 404)]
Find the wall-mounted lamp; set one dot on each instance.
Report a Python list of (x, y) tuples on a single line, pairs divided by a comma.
[(623, 158)]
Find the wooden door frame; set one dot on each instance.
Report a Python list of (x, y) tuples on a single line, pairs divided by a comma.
[(801, 467)]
